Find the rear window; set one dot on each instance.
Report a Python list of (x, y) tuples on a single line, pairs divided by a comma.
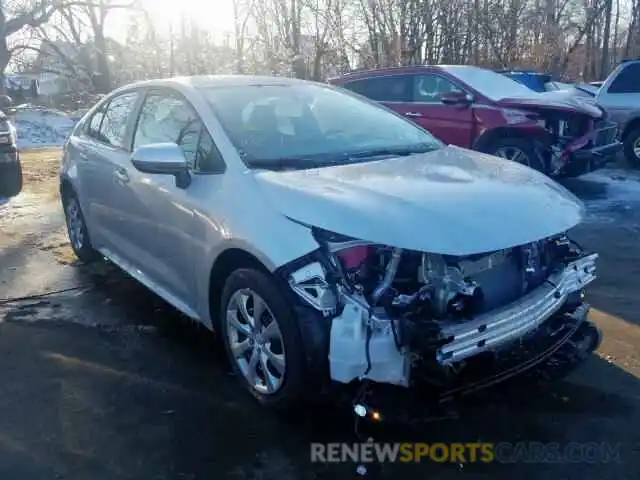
[(396, 88), (627, 81)]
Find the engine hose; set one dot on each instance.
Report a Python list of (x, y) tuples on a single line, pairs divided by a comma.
[(367, 348)]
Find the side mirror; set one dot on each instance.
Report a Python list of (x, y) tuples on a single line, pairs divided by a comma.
[(163, 159), (457, 98)]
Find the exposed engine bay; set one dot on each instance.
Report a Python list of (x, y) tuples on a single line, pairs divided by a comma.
[(400, 316)]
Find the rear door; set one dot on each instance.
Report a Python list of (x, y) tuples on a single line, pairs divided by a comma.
[(102, 152)]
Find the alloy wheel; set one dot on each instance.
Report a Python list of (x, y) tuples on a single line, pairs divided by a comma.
[(75, 223), (514, 154), (255, 341), (636, 148)]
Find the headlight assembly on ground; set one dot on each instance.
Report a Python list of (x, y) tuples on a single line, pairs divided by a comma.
[(501, 452)]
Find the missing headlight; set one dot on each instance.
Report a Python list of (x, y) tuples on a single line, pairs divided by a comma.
[(310, 283)]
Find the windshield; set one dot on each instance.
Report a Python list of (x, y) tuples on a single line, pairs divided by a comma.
[(492, 85), (303, 125)]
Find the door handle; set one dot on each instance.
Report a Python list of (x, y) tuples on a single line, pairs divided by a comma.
[(121, 175), (83, 155), (413, 114)]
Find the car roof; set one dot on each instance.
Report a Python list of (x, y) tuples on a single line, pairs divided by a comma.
[(372, 72), (204, 81)]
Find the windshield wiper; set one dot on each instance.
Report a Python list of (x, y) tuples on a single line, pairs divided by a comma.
[(395, 152), (285, 163), (331, 159)]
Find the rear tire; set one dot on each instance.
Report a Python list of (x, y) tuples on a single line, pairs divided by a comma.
[(518, 150), (11, 179), (77, 229), (277, 348), (632, 148)]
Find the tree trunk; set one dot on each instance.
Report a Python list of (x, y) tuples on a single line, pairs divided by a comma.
[(5, 57), (604, 61)]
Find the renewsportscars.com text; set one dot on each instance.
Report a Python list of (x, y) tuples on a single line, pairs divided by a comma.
[(503, 452)]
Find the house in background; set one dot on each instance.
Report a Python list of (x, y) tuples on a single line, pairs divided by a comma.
[(64, 68), (21, 88)]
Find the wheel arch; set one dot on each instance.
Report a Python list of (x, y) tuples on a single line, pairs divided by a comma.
[(66, 187), (631, 125), (491, 136), (226, 263)]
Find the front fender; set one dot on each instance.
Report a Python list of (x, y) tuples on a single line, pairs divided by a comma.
[(532, 131)]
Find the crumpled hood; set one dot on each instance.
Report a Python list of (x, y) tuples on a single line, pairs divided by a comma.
[(562, 100), (451, 201)]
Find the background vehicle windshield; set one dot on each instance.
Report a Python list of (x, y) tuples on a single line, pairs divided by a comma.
[(492, 85), (276, 122)]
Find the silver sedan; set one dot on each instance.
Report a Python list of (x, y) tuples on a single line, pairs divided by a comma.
[(329, 240)]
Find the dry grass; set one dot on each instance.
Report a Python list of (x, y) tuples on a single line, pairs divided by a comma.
[(40, 169), (39, 192), (57, 243)]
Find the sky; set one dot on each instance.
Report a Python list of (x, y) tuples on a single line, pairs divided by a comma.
[(216, 15)]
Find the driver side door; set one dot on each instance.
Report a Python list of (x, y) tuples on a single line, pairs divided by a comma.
[(453, 124), (163, 216)]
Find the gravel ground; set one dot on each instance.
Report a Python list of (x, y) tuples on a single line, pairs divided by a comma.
[(108, 382)]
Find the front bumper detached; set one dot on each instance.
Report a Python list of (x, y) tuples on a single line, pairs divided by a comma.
[(589, 159), (496, 328), (601, 147), (557, 347), (365, 346)]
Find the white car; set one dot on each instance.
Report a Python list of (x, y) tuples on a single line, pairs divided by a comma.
[(328, 239)]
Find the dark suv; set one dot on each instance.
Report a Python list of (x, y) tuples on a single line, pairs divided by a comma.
[(10, 168), (480, 109)]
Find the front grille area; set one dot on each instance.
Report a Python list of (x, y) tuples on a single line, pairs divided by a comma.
[(606, 133)]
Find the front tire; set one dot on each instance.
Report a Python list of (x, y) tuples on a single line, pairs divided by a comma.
[(262, 339), (77, 229), (632, 148), (517, 150)]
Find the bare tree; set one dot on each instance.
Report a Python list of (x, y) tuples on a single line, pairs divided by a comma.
[(18, 15)]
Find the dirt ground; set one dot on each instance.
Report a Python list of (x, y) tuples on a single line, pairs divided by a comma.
[(105, 381)]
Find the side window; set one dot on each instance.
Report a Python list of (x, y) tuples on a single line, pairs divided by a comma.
[(93, 125), (428, 88), (168, 118), (114, 123), (396, 88), (627, 81)]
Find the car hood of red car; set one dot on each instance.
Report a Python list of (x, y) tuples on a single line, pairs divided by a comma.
[(561, 100)]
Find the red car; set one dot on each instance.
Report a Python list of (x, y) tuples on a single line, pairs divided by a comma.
[(480, 109)]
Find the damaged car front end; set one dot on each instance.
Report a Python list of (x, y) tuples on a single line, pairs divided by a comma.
[(573, 135), (453, 324), (452, 319)]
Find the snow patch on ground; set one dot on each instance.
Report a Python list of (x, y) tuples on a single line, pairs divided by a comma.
[(39, 127), (611, 194)]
